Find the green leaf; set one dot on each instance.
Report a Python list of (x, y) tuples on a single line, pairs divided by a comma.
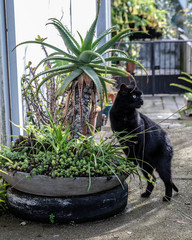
[(86, 56), (87, 43), (117, 37), (53, 58), (105, 33), (68, 80), (66, 37), (114, 58), (5, 159), (114, 72), (110, 81), (116, 51), (110, 70), (102, 80), (93, 75), (187, 74), (67, 32), (81, 38), (181, 86), (57, 71), (46, 45), (185, 79), (89, 169), (50, 76)]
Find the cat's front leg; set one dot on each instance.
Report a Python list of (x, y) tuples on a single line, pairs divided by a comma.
[(151, 179)]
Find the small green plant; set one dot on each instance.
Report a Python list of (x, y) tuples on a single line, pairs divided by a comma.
[(36, 112), (51, 152), (72, 223), (3, 196), (52, 218)]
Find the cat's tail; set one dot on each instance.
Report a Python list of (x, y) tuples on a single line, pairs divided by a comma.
[(174, 187)]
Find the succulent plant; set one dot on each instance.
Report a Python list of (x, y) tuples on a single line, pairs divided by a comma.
[(86, 71)]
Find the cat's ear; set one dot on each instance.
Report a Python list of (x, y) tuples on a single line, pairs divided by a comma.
[(123, 87)]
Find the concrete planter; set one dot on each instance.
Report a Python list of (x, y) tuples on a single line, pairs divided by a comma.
[(60, 187), (38, 197)]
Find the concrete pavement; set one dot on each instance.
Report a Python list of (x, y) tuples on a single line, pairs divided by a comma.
[(146, 219)]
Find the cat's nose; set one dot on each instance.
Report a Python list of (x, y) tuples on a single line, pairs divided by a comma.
[(141, 101)]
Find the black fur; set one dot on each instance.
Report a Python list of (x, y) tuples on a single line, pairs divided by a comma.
[(149, 147)]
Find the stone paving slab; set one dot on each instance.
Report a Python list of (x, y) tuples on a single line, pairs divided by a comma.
[(162, 104)]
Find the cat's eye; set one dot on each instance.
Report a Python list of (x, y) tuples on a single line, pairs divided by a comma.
[(134, 96)]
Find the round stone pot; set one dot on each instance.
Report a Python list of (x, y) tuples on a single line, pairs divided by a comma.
[(58, 187), (66, 209)]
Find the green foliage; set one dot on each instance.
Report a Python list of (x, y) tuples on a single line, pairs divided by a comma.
[(138, 15), (51, 152), (3, 196), (36, 104), (52, 218), (188, 16), (172, 8)]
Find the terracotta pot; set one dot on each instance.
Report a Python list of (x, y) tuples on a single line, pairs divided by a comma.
[(112, 96), (130, 67)]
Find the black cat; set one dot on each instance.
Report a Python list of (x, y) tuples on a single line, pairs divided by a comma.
[(149, 147)]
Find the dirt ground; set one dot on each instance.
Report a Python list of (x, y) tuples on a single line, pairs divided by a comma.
[(150, 219)]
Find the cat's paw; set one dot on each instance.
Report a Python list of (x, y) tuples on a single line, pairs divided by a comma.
[(145, 194), (166, 199)]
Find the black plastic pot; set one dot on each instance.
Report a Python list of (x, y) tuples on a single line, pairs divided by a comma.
[(66, 209)]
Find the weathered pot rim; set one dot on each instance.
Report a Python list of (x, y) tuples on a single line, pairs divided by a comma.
[(46, 186)]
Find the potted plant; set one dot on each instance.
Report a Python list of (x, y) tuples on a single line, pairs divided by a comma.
[(48, 166), (62, 150), (133, 51)]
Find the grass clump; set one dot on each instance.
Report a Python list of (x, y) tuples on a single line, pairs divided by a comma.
[(50, 151)]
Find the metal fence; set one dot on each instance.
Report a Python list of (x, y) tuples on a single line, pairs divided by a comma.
[(164, 61)]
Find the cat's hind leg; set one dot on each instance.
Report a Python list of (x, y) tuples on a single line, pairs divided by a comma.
[(165, 174)]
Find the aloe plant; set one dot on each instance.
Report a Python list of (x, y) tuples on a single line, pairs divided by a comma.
[(86, 71)]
